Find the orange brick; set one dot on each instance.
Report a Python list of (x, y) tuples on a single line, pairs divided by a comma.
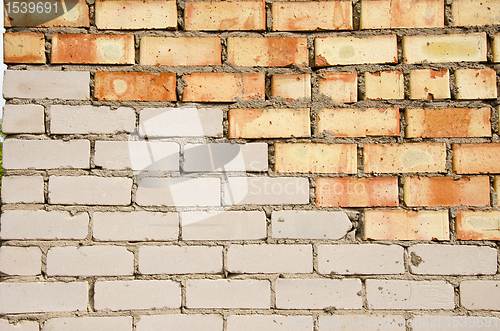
[(291, 86), (377, 14), (430, 84), (140, 86), (133, 14), (267, 51), (350, 122), (476, 158), (448, 122), (316, 158), (310, 16), (357, 192), (404, 158), (23, 48), (476, 83), (269, 123), (225, 15), (77, 16), (390, 224), (91, 48), (339, 86), (223, 87), (446, 191), (384, 85), (478, 225), (475, 12), (182, 51), (495, 47)]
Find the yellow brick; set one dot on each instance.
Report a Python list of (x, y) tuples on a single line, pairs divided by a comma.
[(476, 83), (339, 86), (24, 48), (475, 12), (430, 84), (290, 86), (495, 46), (384, 85)]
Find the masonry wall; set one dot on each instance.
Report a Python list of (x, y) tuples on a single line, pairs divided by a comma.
[(251, 165)]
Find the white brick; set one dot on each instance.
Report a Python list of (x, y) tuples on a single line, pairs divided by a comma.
[(225, 157), (23, 119), (224, 225), (22, 261), (302, 224), (454, 323), (223, 293), (23, 189), (452, 260), (46, 154), (480, 294), (66, 85), (90, 261), (137, 155), (88, 190), (19, 326), (90, 119), (115, 323), (269, 323), (137, 294), (269, 259), (266, 191), (181, 191), (42, 297), (384, 85), (180, 122), (181, 260), (407, 294), (362, 323), (135, 226), (361, 259), (318, 293), (184, 322), (41, 224)]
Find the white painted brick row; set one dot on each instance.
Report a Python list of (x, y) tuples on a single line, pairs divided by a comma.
[(269, 323), (115, 323), (23, 119), (23, 189), (480, 294), (454, 323), (23, 261), (20, 326), (177, 322), (362, 322)]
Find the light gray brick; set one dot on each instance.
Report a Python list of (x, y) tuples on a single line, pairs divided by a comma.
[(24, 261), (23, 189), (269, 323), (178, 322), (115, 323), (19, 326), (362, 322), (23, 119), (454, 323), (480, 294)]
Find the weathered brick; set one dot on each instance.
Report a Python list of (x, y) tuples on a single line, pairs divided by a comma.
[(407, 294), (23, 119), (453, 322), (140, 86), (250, 259), (269, 123), (315, 158), (476, 83), (93, 49), (495, 47), (22, 189), (430, 84), (24, 261), (87, 119), (269, 323), (136, 294), (475, 12), (226, 293), (223, 87), (403, 158), (318, 293), (33, 84), (310, 16), (446, 191), (384, 85), (43, 297), (390, 224), (445, 48), (291, 86), (76, 17), (225, 225), (225, 15), (309, 224), (339, 86), (267, 51), (115, 323), (181, 260), (361, 259), (452, 260), (480, 294), (5, 325), (89, 190), (23, 48), (476, 158), (353, 122), (46, 154), (353, 50), (180, 322), (357, 192), (180, 51), (148, 14), (135, 226), (478, 225), (366, 322), (402, 14)]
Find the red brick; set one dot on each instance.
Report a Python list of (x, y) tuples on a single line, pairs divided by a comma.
[(446, 191), (339, 86), (23, 48), (140, 86), (76, 17), (476, 158), (357, 192), (92, 48), (291, 86), (478, 225), (223, 87)]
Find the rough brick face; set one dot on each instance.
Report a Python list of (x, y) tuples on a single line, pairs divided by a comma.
[(476, 83), (291, 87), (430, 84), (475, 158), (24, 48), (478, 225), (23, 189), (339, 86), (384, 85), (23, 119), (475, 12)]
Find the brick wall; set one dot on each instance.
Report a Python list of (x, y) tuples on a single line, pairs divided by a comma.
[(251, 165)]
